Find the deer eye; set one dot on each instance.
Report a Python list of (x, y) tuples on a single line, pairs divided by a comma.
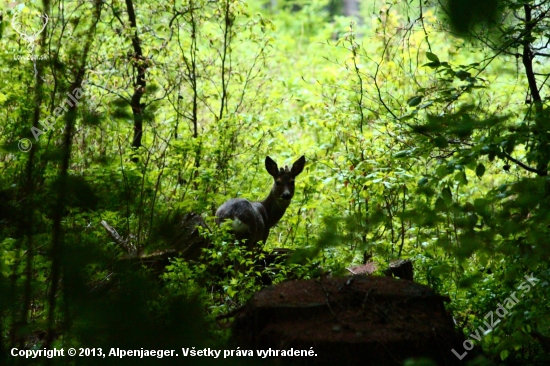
[(277, 182)]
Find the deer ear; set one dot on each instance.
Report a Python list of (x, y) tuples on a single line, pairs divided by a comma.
[(298, 166), (271, 166)]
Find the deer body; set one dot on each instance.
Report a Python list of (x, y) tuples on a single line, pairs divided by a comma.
[(253, 220)]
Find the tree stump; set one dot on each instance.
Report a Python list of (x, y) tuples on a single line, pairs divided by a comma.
[(401, 268), (359, 320)]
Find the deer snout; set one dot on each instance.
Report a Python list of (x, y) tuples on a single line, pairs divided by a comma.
[(286, 195)]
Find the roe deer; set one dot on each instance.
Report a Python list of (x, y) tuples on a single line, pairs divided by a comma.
[(252, 220)]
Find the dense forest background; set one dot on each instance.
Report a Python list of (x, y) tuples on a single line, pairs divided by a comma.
[(425, 127)]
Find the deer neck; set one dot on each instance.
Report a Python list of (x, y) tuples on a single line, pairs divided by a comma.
[(275, 209)]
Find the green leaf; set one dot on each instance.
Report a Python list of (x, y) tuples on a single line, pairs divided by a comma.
[(426, 105), (442, 170), (414, 101), (404, 153), (460, 177), (408, 116), (433, 65), (230, 291), (480, 170), (432, 57), (462, 75), (504, 354)]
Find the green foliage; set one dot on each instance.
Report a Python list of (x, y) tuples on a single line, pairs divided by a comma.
[(419, 145)]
